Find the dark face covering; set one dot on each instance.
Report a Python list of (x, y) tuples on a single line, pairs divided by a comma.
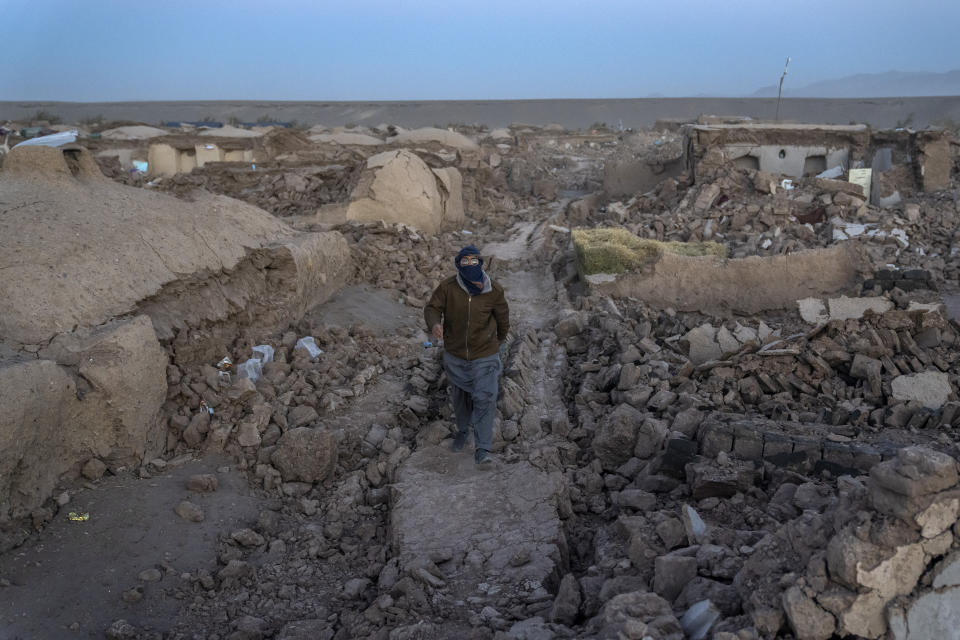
[(471, 274)]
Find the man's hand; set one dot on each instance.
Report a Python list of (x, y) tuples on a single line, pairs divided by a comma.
[(438, 332)]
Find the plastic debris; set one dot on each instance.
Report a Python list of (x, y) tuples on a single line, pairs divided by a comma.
[(205, 407), (264, 352), (843, 230), (466, 233), (787, 184), (73, 516), (252, 369), (831, 174), (310, 345), (225, 364), (699, 620), (54, 140), (862, 177), (140, 166), (427, 344)]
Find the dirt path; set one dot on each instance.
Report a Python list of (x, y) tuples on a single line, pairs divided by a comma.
[(68, 581), (494, 538)]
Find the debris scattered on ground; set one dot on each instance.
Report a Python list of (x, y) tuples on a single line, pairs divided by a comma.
[(668, 469)]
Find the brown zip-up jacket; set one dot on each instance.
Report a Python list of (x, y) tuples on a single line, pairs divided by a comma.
[(473, 326)]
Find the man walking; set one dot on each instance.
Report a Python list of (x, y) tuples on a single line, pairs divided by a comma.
[(469, 312)]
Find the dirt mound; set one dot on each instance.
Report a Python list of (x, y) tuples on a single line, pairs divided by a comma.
[(397, 186)]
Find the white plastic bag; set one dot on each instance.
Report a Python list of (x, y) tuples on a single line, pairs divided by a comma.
[(252, 369), (310, 345), (264, 352), (53, 140)]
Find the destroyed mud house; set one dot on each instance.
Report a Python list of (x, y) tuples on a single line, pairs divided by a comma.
[(728, 410)]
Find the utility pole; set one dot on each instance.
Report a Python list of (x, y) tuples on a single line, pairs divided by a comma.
[(780, 89)]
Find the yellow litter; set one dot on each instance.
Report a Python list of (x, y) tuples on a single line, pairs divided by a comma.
[(78, 517)]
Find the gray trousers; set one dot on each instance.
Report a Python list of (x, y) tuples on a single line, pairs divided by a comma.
[(474, 385)]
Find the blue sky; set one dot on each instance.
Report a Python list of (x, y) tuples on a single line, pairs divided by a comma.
[(90, 50)]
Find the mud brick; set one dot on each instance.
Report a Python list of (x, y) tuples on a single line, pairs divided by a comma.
[(922, 419), (890, 339), (747, 443), (929, 338), (865, 456), (890, 367), (887, 274), (874, 337), (917, 274), (910, 285), (913, 348), (939, 362), (819, 364), (714, 438), (776, 444), (787, 389), (902, 364), (800, 385), (838, 453), (949, 413), (811, 446), (767, 383), (678, 454), (916, 365)]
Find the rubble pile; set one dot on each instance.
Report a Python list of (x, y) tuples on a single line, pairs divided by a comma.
[(752, 214), (699, 474), (281, 189)]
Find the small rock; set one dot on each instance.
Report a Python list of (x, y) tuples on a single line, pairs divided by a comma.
[(247, 538), (637, 499), (120, 630), (567, 603), (189, 511), (133, 595), (93, 469), (202, 483), (672, 573), (150, 575), (354, 588), (300, 416)]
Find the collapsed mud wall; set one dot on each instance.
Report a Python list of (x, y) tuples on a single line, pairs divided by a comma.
[(101, 282), (745, 285)]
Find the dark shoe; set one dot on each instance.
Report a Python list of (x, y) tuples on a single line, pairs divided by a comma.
[(459, 441), (483, 458)]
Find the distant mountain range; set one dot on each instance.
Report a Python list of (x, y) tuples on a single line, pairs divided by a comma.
[(890, 84)]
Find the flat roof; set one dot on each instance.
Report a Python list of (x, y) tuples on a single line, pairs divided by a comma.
[(845, 128)]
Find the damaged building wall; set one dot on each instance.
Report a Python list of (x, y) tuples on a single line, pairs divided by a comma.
[(397, 186), (903, 160), (792, 150), (743, 285), (176, 154), (639, 163)]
